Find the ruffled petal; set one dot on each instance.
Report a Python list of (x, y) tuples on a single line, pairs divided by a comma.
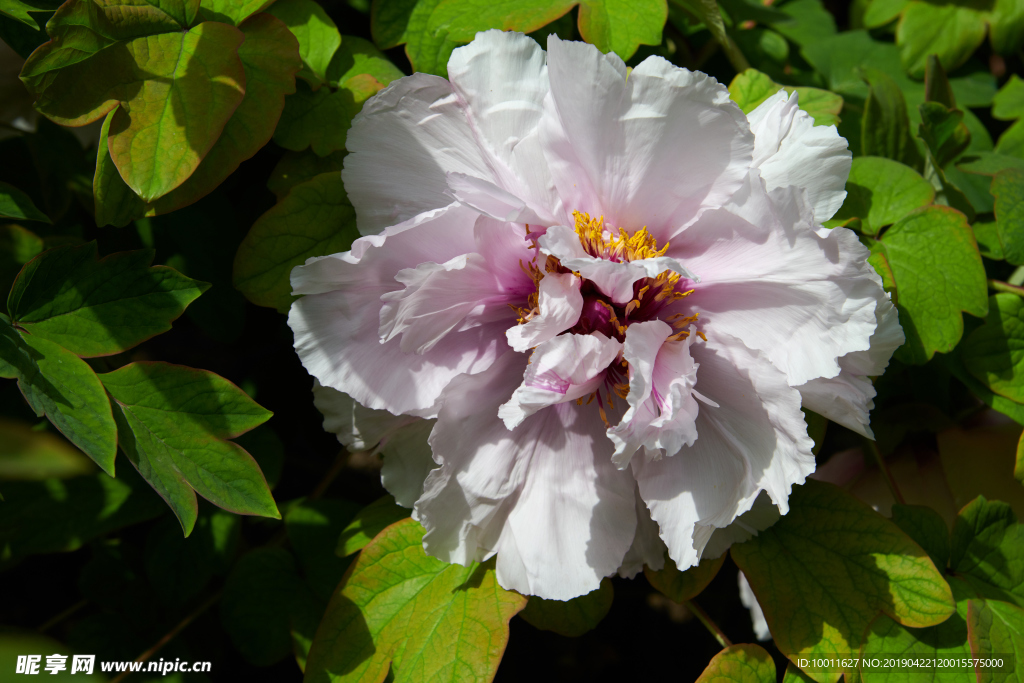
[(614, 278), (790, 150), (400, 439), (544, 496), (662, 405), (803, 296), (559, 303), (562, 369), (756, 440), (648, 548), (648, 150), (336, 323), (491, 201)]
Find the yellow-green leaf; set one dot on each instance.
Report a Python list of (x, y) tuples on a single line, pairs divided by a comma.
[(682, 586), (316, 32), (740, 664), (570, 617)]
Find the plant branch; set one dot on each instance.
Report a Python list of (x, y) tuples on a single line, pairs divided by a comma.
[(1000, 286), (62, 616), (886, 473), (709, 623)]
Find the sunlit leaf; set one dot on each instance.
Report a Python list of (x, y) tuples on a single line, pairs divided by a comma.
[(829, 567), (367, 523), (314, 219), (740, 664), (316, 32), (98, 307), (937, 273), (401, 609), (358, 56), (987, 548), (570, 617), (233, 11), (173, 423), (751, 87), (880, 192), (951, 31), (621, 26), (1008, 103), (997, 628)]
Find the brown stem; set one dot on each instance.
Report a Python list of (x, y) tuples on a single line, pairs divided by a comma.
[(62, 616), (886, 473), (711, 626), (332, 474)]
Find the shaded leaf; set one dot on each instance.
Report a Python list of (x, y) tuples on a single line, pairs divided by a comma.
[(680, 586), (313, 529), (233, 11), (994, 352), (987, 548), (977, 462), (825, 571), (115, 203), (997, 629), (98, 307), (1008, 104), (180, 568), (369, 522), (193, 82), (570, 617), (937, 273), (18, 246), (740, 664), (1008, 190), (885, 128), (398, 608), (16, 204), (60, 385), (316, 32), (314, 219), (19, 9), (320, 119), (28, 454), (172, 424), (944, 132), (295, 168), (880, 192)]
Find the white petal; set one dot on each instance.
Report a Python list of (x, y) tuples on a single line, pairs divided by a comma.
[(544, 497), (790, 150), (647, 548), (400, 439), (401, 146), (662, 407), (615, 279), (804, 297), (650, 150), (559, 302), (761, 515), (755, 440), (562, 369), (491, 200), (749, 601), (336, 324), (502, 78)]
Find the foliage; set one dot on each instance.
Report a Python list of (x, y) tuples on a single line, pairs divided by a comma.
[(166, 163)]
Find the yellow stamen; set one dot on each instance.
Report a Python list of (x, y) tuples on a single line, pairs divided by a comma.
[(600, 241)]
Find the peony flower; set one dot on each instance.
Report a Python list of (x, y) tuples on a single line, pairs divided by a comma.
[(611, 290)]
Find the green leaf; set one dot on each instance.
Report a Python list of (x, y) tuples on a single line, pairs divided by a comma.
[(1011, 142), (927, 528), (951, 31), (997, 629), (570, 617), (994, 352), (740, 664), (172, 424), (1006, 26), (1008, 190), (16, 204), (987, 549), (944, 132), (881, 12), (314, 219), (809, 21), (20, 9), (621, 26), (358, 56), (180, 568), (399, 608), (233, 11), (751, 88), (1008, 103), (115, 203), (270, 59), (28, 454), (320, 119), (937, 273), (989, 163), (18, 246), (1018, 466), (316, 32), (1009, 408), (461, 19), (936, 84), (313, 529), (880, 192), (60, 385), (295, 168), (98, 307), (885, 128), (976, 462), (57, 515), (826, 569), (369, 522), (680, 586), (264, 601), (193, 83)]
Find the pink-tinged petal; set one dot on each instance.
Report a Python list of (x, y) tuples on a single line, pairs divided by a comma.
[(463, 293), (648, 150), (544, 496), (755, 440), (491, 201), (401, 440), (562, 369), (662, 402), (647, 548), (502, 79), (847, 398), (790, 150), (336, 324), (401, 146), (803, 296), (615, 279), (559, 303)]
